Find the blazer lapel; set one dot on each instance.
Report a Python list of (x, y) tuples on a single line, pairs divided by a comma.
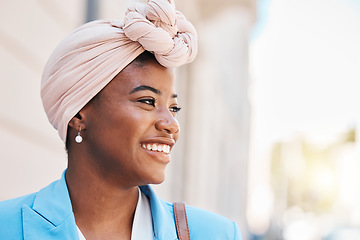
[(51, 215)]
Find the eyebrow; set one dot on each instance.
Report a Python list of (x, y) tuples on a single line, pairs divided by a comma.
[(154, 90), (145, 87)]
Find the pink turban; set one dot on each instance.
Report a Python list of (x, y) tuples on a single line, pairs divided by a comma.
[(90, 57)]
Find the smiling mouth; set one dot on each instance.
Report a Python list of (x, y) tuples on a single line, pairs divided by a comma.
[(156, 147)]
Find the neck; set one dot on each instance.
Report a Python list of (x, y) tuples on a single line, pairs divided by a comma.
[(100, 208)]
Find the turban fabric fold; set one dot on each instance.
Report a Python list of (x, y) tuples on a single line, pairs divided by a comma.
[(91, 56)]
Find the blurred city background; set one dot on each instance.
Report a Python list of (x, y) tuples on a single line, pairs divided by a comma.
[(270, 120)]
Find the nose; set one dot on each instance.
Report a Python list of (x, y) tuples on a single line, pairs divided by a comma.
[(167, 123)]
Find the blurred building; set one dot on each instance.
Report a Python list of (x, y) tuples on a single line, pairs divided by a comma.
[(315, 187), (209, 167), (31, 153)]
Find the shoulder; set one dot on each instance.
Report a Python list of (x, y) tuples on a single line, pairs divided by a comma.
[(11, 215), (208, 225), (12, 208), (202, 224)]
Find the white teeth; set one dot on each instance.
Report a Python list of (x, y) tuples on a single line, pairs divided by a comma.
[(166, 149), (154, 147), (157, 147)]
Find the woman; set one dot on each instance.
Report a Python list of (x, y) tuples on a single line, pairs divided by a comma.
[(108, 88)]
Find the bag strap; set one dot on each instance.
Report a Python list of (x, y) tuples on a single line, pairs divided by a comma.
[(182, 226)]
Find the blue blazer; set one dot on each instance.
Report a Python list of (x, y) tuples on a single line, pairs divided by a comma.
[(48, 215)]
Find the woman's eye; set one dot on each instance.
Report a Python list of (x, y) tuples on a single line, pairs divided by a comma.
[(175, 109), (148, 101)]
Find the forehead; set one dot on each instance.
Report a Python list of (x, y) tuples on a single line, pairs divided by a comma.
[(149, 73)]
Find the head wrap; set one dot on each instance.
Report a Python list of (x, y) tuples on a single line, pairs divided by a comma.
[(91, 56)]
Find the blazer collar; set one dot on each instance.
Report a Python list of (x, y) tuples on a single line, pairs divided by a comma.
[(51, 215), (162, 215)]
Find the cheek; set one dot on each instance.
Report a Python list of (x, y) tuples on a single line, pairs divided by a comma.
[(133, 124)]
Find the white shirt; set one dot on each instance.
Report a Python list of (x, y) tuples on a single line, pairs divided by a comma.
[(142, 228)]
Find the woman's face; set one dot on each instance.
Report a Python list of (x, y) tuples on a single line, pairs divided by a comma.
[(131, 125)]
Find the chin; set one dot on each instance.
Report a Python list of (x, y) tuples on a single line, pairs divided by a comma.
[(158, 181), (156, 178)]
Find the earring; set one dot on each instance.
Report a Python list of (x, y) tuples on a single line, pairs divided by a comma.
[(78, 138)]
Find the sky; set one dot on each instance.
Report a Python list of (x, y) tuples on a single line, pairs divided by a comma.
[(305, 69)]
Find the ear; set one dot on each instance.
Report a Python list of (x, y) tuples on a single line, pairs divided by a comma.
[(78, 121)]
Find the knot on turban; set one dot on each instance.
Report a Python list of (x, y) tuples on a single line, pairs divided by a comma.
[(90, 57), (162, 30)]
